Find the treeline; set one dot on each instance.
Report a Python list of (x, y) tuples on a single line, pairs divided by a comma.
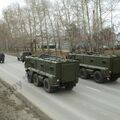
[(81, 23)]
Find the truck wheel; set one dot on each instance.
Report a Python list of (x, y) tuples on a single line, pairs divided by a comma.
[(113, 79), (69, 87), (98, 77), (29, 77), (83, 73), (47, 86), (36, 80), (23, 60)]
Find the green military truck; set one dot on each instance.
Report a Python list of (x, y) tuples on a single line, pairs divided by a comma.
[(22, 55), (102, 68), (52, 72)]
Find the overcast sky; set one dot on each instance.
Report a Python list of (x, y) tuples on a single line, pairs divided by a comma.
[(5, 3)]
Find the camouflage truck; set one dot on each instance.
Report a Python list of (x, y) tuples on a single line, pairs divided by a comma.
[(52, 72), (102, 68)]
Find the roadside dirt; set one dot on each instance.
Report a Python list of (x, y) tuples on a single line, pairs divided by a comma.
[(12, 108)]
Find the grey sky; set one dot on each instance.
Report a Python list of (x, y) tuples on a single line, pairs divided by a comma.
[(5, 3)]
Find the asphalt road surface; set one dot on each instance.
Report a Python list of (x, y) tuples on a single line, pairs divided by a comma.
[(87, 101)]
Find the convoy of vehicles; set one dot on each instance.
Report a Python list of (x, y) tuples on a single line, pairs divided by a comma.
[(52, 72), (2, 57), (101, 67), (22, 55)]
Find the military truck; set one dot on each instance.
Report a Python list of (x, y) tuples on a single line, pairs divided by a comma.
[(52, 72), (22, 55), (2, 57), (102, 68)]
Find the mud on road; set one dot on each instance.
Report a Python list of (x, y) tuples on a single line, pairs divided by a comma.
[(13, 108)]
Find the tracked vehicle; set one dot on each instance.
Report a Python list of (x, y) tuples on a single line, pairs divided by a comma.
[(52, 72), (102, 68)]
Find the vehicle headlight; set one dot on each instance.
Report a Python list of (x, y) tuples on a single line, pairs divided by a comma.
[(58, 80)]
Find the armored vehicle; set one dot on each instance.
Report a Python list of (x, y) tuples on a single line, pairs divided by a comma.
[(52, 72), (2, 57), (102, 68), (22, 56)]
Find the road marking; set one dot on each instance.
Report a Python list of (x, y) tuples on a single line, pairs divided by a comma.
[(94, 89)]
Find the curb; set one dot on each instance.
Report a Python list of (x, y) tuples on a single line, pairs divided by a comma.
[(29, 104)]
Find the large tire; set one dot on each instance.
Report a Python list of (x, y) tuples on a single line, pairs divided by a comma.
[(47, 86), (113, 79), (18, 59), (23, 60), (99, 77), (69, 86), (36, 80), (83, 73), (29, 77)]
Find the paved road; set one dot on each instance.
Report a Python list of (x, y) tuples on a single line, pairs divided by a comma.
[(87, 101)]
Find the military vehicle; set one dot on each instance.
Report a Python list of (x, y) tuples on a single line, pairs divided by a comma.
[(2, 57), (102, 68), (52, 72), (22, 56)]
